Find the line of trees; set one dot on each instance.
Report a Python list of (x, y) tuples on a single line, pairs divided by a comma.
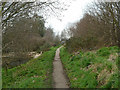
[(99, 27), (27, 35), (24, 31)]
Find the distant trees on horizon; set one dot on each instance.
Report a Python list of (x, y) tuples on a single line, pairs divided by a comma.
[(98, 28)]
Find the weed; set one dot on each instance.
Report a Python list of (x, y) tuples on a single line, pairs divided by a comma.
[(86, 70), (33, 74)]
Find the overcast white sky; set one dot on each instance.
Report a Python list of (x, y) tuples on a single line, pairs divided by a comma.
[(73, 14)]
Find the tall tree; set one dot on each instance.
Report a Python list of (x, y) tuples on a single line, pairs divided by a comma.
[(108, 13)]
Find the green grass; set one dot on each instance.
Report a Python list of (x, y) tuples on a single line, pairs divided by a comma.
[(91, 69), (36, 73)]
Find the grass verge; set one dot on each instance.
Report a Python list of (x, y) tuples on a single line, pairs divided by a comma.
[(37, 73), (96, 69)]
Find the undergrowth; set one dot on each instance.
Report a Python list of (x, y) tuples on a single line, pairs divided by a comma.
[(92, 69), (37, 73)]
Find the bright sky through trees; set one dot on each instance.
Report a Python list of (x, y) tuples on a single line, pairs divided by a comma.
[(73, 14)]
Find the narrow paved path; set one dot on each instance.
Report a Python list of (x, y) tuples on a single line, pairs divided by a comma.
[(60, 81)]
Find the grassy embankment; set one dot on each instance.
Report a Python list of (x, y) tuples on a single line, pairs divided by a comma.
[(93, 69), (36, 73)]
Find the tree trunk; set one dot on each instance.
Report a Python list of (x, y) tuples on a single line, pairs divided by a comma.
[(118, 30)]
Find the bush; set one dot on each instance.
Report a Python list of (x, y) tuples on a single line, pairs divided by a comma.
[(103, 51), (76, 43)]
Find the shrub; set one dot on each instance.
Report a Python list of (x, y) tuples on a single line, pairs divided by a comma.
[(103, 51)]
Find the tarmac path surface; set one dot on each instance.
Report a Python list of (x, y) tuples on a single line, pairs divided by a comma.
[(59, 78)]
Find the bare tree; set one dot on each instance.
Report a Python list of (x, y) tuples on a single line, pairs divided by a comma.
[(107, 12), (99, 27), (11, 10)]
